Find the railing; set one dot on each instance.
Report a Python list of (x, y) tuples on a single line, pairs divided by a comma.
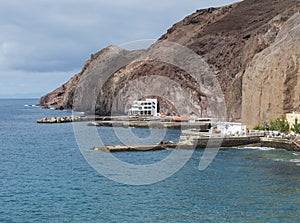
[(256, 133)]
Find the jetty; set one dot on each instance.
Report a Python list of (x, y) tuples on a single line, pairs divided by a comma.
[(208, 142), (72, 118), (202, 143), (151, 124), (97, 120), (126, 122), (134, 148)]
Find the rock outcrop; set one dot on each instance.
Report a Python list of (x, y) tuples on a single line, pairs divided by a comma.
[(248, 50)]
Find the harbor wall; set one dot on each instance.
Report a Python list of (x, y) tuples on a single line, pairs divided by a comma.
[(286, 144)]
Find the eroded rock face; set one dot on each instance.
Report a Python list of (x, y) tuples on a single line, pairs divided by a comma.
[(271, 83), (232, 43), (86, 84)]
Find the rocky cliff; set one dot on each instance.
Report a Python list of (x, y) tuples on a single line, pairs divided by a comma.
[(248, 51), (271, 83)]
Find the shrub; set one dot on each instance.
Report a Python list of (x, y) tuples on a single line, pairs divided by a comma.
[(296, 127), (259, 127), (280, 124)]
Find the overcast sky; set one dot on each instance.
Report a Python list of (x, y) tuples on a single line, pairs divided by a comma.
[(44, 42)]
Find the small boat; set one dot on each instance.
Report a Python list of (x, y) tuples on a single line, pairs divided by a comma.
[(180, 119)]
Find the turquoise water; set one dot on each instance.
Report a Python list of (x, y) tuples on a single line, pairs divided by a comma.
[(45, 178)]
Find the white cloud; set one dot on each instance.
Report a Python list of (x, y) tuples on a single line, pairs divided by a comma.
[(55, 37)]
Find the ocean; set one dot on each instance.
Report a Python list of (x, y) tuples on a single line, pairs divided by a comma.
[(45, 178)]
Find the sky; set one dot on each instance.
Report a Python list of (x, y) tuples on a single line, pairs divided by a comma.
[(43, 43)]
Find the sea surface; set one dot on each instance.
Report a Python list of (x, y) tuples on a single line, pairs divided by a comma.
[(45, 178)]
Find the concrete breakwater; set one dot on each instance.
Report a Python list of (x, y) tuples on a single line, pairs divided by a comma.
[(150, 124), (134, 148), (199, 144), (125, 122), (290, 145), (50, 120), (227, 142), (96, 120), (83, 118)]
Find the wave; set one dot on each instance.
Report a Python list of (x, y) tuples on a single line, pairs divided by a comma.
[(259, 148), (295, 160), (279, 160)]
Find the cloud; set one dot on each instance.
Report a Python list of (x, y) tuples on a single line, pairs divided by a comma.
[(58, 36)]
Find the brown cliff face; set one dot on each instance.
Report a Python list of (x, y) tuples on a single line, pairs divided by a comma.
[(271, 83), (233, 42)]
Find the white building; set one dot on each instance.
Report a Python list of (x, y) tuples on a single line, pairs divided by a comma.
[(148, 107)]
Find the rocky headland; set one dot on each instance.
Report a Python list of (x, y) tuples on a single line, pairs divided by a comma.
[(250, 47)]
